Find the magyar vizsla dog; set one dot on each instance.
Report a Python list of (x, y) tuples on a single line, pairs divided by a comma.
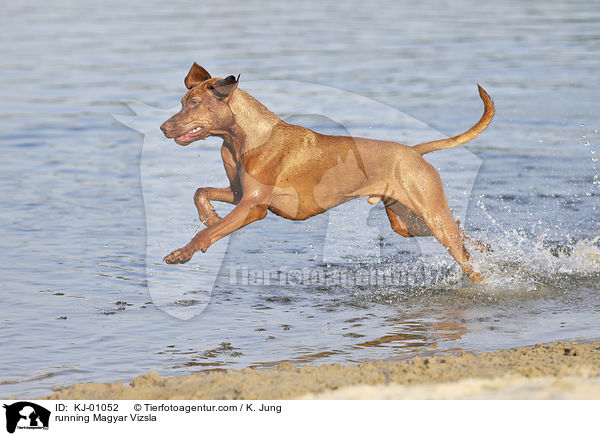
[(297, 173)]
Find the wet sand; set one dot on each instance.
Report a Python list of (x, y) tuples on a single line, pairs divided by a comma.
[(559, 370)]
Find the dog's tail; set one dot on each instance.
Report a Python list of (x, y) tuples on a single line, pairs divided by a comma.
[(455, 141)]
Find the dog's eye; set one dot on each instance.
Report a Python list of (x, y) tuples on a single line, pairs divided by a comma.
[(195, 103)]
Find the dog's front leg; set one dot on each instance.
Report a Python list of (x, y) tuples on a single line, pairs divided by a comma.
[(246, 212), (203, 198)]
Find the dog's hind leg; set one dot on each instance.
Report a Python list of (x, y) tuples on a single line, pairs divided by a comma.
[(424, 206), (403, 221), (202, 200), (439, 219), (434, 211), (406, 223)]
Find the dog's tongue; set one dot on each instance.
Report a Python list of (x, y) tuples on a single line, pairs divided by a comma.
[(188, 135)]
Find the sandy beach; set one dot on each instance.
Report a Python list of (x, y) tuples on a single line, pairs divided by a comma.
[(544, 371)]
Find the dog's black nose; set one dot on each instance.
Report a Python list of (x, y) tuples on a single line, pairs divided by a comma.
[(163, 128)]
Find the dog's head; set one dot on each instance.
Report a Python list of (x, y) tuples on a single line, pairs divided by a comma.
[(204, 109)]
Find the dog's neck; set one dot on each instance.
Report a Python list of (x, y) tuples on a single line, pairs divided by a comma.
[(253, 122)]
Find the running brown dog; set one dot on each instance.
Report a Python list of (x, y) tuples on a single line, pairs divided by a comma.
[(297, 173)]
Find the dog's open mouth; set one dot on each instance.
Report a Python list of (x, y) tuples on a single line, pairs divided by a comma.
[(191, 136)]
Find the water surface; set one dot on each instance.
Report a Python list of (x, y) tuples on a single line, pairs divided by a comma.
[(76, 304)]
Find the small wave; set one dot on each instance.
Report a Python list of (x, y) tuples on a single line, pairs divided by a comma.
[(27, 379), (60, 371)]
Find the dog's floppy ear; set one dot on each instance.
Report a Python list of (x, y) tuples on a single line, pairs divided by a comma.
[(196, 75), (225, 87)]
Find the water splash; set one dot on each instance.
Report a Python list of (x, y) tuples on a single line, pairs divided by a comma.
[(525, 262)]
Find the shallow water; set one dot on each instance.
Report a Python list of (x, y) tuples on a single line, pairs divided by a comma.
[(76, 190)]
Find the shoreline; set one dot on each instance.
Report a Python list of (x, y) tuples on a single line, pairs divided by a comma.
[(556, 370)]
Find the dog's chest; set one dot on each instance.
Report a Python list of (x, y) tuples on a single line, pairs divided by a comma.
[(290, 204)]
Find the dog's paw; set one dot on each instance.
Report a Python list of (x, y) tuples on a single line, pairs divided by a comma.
[(179, 256), (476, 277)]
